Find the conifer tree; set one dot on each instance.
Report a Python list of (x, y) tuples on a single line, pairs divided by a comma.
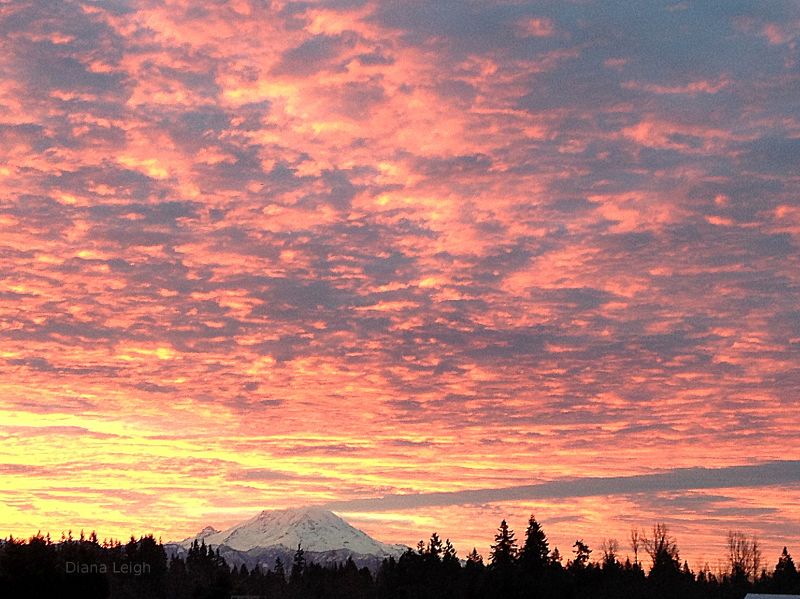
[(555, 558), (434, 551), (504, 550), (298, 564), (582, 553), (785, 564), (280, 571), (449, 555), (786, 577), (474, 559), (534, 553)]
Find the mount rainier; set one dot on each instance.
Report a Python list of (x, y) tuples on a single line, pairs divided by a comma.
[(325, 538)]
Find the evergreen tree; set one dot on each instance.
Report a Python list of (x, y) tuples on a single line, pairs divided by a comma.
[(534, 553), (785, 565), (504, 550), (434, 550), (280, 571), (449, 555), (786, 578), (582, 553), (298, 564), (555, 558), (474, 559)]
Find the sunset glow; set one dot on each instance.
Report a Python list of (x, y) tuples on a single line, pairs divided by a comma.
[(268, 253)]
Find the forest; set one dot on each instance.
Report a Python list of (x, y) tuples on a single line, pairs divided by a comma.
[(84, 567)]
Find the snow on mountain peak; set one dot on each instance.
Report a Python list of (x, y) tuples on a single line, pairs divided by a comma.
[(316, 529), (203, 534)]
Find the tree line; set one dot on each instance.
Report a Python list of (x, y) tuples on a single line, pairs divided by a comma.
[(88, 569)]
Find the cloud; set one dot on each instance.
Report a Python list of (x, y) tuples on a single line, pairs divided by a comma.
[(786, 472), (424, 246)]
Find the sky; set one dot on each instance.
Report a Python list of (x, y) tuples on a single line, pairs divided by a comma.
[(429, 263)]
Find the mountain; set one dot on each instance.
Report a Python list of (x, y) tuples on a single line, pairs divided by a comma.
[(208, 531), (325, 537)]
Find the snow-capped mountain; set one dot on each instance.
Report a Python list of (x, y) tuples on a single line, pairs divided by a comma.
[(205, 533), (324, 536)]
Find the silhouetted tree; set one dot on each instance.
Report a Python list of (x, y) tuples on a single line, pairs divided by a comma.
[(207, 574), (535, 551), (298, 564), (434, 549), (280, 570), (555, 558), (662, 548), (785, 576), (474, 559), (744, 556), (449, 555), (610, 549), (582, 554), (636, 544), (785, 565), (504, 550)]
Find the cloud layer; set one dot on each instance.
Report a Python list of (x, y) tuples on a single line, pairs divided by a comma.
[(256, 251)]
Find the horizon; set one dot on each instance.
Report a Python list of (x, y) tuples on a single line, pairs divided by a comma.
[(624, 554), (716, 564), (431, 264)]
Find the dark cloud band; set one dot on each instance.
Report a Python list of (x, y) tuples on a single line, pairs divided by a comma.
[(784, 472)]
